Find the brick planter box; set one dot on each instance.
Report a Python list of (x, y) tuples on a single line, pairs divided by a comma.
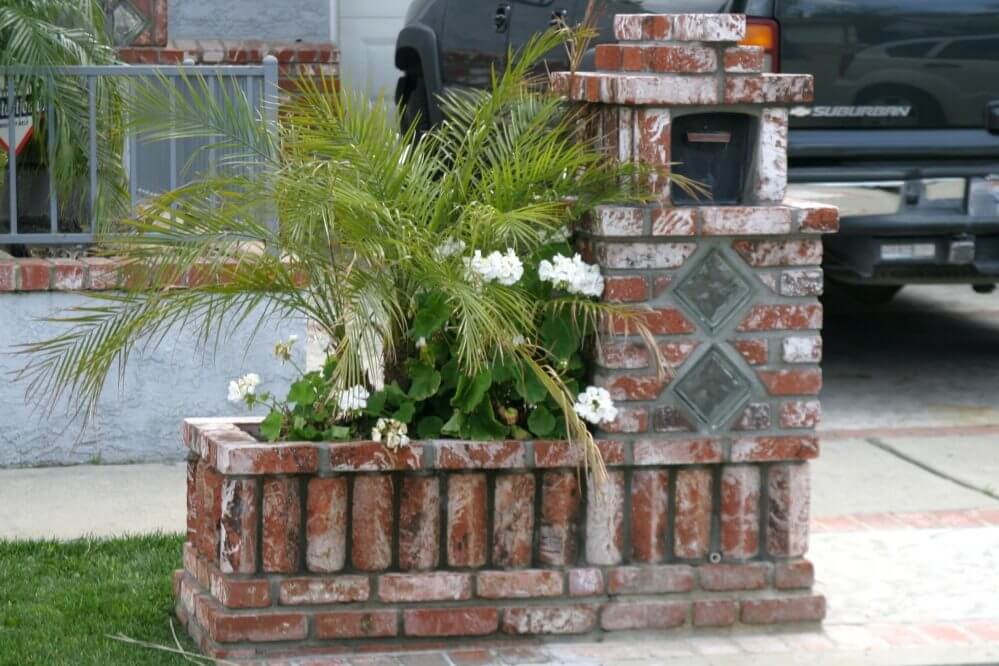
[(304, 548)]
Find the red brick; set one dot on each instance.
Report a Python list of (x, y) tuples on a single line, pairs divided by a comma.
[(419, 523), (608, 57), (549, 620), (676, 451), (681, 58), (431, 586), (586, 582), (782, 318), (240, 592), (8, 275), (792, 382), (795, 574), (239, 526), (632, 387), (745, 220), (740, 511), (192, 501), (788, 510), (560, 510), (69, 274), (465, 621), (251, 627), (652, 135), (674, 222), (769, 448), (661, 321), (246, 458), (817, 218), (170, 56), (638, 255), (756, 351), (800, 414), (769, 89), (560, 453), (692, 522), (336, 590), (374, 457), (622, 355), (357, 624), (642, 27), (617, 221), (715, 612), (780, 253), (372, 522), (101, 273), (466, 520), (618, 616), (513, 520), (480, 455), (282, 522), (782, 611), (518, 584), (36, 274), (605, 520), (649, 510), (729, 577), (625, 289), (628, 421), (744, 59), (708, 27), (650, 579), (209, 511), (326, 524)]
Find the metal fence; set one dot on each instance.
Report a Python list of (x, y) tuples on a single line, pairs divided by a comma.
[(34, 215)]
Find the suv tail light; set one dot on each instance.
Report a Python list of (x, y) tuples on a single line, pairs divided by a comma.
[(765, 33)]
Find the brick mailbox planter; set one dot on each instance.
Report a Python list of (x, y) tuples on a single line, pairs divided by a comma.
[(703, 520)]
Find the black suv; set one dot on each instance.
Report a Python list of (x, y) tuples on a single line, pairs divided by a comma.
[(903, 135)]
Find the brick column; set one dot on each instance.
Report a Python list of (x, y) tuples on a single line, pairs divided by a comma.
[(732, 293)]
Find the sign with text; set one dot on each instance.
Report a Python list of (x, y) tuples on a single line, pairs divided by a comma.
[(23, 121)]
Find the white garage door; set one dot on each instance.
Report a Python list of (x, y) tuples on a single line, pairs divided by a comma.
[(367, 33)]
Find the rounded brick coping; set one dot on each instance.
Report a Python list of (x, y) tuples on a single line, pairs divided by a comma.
[(229, 446)]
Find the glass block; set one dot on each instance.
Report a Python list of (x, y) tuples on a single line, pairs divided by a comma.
[(713, 289), (714, 389), (128, 23)]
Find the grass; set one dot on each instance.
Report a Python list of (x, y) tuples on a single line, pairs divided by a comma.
[(59, 601)]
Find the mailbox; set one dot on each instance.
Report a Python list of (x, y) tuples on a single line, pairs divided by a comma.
[(713, 149)]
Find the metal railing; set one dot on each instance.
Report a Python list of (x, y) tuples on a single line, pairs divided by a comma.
[(150, 166)]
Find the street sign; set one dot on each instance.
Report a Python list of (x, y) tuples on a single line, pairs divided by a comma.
[(24, 125)]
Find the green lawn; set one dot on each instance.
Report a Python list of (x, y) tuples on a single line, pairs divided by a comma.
[(60, 601)]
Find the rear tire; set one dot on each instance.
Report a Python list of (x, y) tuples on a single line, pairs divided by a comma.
[(416, 108)]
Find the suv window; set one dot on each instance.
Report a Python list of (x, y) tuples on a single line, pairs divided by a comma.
[(972, 49)]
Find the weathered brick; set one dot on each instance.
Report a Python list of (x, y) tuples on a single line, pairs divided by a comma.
[(480, 455), (708, 27), (652, 129), (780, 253), (649, 510), (756, 351), (608, 57), (250, 627), (419, 523), (642, 27), (631, 289), (605, 520), (792, 382), (335, 590), (282, 523), (794, 574), (238, 523), (745, 220), (650, 579), (740, 511), (559, 521), (36, 274), (769, 89), (657, 451), (660, 284), (372, 522), (465, 621), (621, 616), (770, 184), (728, 577), (560, 453), (326, 524), (659, 321), (466, 520), (239, 592), (632, 387), (617, 221), (801, 282), (643, 255), (8, 275), (586, 582), (788, 510), (817, 217), (628, 421), (193, 499), (521, 584), (783, 611), (800, 414), (209, 511), (513, 520), (782, 318), (715, 612), (674, 222), (549, 620), (374, 457), (755, 416), (357, 624), (234, 457), (802, 349), (775, 447), (68, 274), (692, 522), (622, 355), (744, 59), (430, 586), (668, 418)]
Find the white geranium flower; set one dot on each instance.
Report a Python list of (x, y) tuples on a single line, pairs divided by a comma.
[(506, 269), (353, 399), (392, 432), (244, 386), (595, 405), (572, 275), (282, 349), (519, 340), (421, 343), (449, 248)]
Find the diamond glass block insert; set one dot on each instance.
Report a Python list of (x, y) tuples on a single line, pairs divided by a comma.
[(713, 289), (128, 23), (714, 389)]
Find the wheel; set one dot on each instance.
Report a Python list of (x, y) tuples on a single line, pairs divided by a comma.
[(415, 109), (983, 288), (873, 294)]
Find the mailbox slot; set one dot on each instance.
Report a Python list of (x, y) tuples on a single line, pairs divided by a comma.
[(713, 149)]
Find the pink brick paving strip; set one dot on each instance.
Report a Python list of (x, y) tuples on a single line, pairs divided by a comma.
[(907, 520)]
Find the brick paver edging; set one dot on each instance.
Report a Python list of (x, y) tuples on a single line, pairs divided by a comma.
[(907, 520)]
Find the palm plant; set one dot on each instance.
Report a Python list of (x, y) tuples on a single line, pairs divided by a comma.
[(373, 244)]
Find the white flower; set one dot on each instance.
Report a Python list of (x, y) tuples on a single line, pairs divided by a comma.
[(572, 275), (449, 248), (506, 269), (519, 340), (391, 431), (595, 405), (282, 350), (421, 343), (353, 399), (244, 386)]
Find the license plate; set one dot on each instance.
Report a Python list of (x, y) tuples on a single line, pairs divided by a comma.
[(902, 251)]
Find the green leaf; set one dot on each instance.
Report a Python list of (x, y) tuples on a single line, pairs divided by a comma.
[(302, 392), (454, 424), (270, 427), (541, 421), (337, 433), (482, 424), (405, 412), (376, 403), (559, 336), (471, 390), (449, 375), (530, 388), (425, 381), (429, 427), (431, 316)]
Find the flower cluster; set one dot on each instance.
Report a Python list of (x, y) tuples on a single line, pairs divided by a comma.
[(390, 431), (595, 405), (506, 269), (245, 386), (353, 399), (282, 350), (572, 275), (449, 248)]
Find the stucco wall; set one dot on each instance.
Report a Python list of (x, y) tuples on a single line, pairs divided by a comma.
[(270, 20), (141, 423)]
